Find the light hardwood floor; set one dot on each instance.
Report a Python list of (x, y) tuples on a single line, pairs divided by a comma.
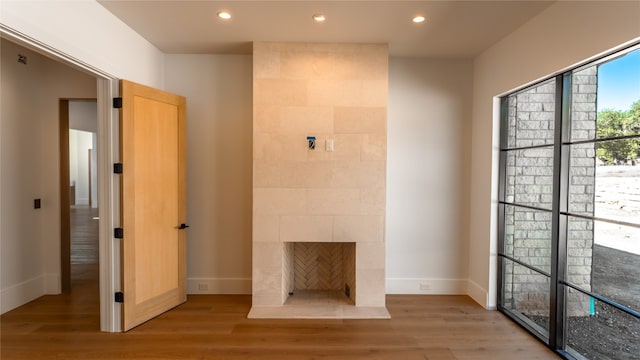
[(84, 236), (216, 327)]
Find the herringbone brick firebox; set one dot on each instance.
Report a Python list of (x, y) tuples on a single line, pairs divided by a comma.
[(322, 268)]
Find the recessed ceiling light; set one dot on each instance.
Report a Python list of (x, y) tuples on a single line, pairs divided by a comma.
[(418, 19), (319, 18), (224, 15)]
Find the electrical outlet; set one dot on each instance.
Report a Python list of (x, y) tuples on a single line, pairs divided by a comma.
[(424, 286), (203, 286)]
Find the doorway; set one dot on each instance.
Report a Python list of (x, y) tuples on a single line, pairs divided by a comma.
[(78, 193), (109, 189), (47, 74)]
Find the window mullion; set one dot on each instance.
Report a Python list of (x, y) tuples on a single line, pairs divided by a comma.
[(504, 118), (561, 164)]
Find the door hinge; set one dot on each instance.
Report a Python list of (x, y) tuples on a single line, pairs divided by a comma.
[(119, 297), (117, 168), (118, 233), (117, 103)]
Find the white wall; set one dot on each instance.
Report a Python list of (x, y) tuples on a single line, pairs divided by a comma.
[(429, 128), (219, 171), (565, 34), (218, 89), (83, 115), (29, 138), (86, 31), (79, 144), (427, 175)]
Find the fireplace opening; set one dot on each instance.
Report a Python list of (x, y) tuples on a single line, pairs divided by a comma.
[(319, 273)]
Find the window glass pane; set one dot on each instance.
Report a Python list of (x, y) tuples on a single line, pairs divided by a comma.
[(530, 177), (605, 99), (618, 193), (605, 191), (531, 116), (582, 179), (579, 252), (598, 331), (528, 236), (616, 123), (584, 87), (604, 258), (602, 193), (527, 292), (618, 152)]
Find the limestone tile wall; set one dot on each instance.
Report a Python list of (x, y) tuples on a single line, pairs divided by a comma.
[(333, 92)]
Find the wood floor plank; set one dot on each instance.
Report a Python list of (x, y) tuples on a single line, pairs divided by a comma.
[(84, 227), (216, 327), (199, 329)]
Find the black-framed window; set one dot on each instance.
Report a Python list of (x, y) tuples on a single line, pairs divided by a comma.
[(569, 209)]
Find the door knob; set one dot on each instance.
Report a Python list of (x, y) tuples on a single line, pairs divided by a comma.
[(183, 226)]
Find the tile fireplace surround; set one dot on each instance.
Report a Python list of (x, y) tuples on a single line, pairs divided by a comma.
[(318, 214)]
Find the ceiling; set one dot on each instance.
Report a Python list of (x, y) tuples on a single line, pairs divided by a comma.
[(454, 29)]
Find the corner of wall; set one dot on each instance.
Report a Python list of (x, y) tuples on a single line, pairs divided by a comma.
[(479, 295), (52, 284)]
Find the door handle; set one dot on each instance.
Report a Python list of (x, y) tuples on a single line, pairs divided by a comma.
[(183, 226)]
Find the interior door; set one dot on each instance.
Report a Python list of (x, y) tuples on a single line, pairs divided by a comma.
[(152, 138)]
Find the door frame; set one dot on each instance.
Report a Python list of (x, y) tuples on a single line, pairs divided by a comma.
[(108, 183)]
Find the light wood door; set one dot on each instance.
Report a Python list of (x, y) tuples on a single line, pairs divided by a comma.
[(152, 135)]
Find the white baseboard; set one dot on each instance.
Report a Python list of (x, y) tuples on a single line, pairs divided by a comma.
[(417, 286), (19, 294), (219, 286), (426, 286), (479, 295)]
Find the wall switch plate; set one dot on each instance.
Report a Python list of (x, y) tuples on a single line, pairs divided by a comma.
[(203, 286), (329, 145)]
